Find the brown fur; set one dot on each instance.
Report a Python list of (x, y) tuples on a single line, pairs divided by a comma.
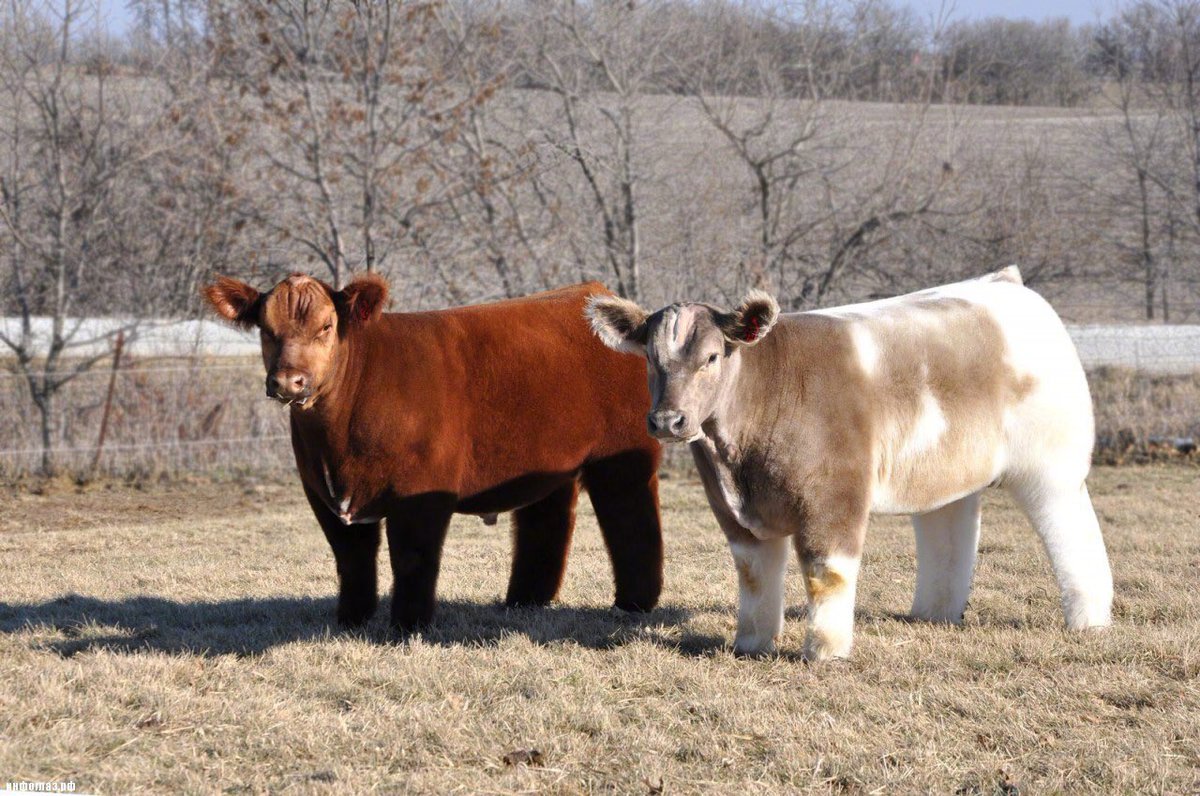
[(821, 582), (808, 415), (962, 375), (480, 409), (746, 575)]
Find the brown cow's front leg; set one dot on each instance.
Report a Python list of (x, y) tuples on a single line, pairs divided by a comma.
[(624, 493), (541, 535), (355, 548), (416, 530)]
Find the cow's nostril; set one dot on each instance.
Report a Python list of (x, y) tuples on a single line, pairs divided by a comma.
[(677, 423), (287, 386), (652, 423)]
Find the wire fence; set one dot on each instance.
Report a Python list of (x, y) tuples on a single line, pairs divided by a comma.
[(1162, 349), (193, 416), (206, 414)]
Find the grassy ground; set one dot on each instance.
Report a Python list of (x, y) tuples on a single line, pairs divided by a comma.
[(179, 640)]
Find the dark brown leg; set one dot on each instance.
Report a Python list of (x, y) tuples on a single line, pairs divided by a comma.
[(355, 548), (541, 536), (416, 530), (624, 493)]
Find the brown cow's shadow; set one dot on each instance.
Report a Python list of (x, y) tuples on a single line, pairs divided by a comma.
[(252, 626), (463, 622)]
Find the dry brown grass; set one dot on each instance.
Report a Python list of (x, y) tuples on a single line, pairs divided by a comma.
[(178, 641), (1142, 416)]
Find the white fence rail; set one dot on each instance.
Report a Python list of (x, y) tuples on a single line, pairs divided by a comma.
[(150, 338), (1153, 348)]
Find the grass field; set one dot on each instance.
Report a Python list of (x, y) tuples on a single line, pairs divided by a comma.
[(178, 640)]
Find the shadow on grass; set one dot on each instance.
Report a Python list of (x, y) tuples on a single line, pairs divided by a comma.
[(252, 626)]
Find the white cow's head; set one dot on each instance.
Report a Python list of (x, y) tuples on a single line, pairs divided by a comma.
[(690, 351)]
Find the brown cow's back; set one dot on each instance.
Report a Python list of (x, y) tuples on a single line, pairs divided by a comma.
[(466, 400)]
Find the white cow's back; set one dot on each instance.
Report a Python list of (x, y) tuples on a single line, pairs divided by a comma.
[(1047, 433)]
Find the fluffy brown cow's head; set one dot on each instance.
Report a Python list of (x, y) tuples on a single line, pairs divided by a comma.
[(302, 322), (688, 348)]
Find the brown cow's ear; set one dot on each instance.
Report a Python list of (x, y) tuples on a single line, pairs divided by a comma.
[(752, 320), (234, 301), (363, 300), (619, 323)]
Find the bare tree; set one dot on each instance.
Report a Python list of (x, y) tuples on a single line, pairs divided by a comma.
[(815, 211), (497, 220), (1149, 53), (600, 61), (1001, 61), (1135, 189), (350, 100), (73, 147)]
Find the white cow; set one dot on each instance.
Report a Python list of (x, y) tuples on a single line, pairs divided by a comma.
[(801, 425)]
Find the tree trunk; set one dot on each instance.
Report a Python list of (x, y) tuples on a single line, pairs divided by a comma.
[(1149, 275), (45, 404)]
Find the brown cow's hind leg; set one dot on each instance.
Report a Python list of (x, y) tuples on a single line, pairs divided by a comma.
[(624, 492), (541, 536), (416, 530), (355, 548)]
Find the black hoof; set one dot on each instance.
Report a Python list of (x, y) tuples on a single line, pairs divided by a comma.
[(355, 615), (635, 606)]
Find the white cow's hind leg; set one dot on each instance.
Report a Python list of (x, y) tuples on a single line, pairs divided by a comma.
[(761, 567), (831, 582), (947, 539), (1066, 522)]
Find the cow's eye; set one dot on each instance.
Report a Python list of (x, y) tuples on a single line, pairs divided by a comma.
[(712, 360), (328, 325)]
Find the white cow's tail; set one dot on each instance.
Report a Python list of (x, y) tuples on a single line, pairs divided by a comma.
[(1009, 274)]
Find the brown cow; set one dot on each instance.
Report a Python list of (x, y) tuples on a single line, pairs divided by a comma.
[(411, 417)]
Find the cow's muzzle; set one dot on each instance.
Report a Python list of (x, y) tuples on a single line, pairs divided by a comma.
[(670, 425), (289, 386)]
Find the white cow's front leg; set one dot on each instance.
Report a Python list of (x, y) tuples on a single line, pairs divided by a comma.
[(830, 582), (761, 566)]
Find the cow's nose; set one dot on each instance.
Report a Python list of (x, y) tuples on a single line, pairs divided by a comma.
[(666, 423), (287, 384)]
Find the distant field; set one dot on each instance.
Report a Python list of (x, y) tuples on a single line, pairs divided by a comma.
[(178, 640), (699, 207)]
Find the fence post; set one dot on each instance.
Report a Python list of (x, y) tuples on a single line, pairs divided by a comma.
[(118, 347)]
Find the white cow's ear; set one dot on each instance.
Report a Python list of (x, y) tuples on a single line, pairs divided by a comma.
[(619, 323), (752, 319)]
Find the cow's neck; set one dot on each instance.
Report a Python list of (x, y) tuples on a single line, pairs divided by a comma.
[(328, 416), (728, 435), (731, 428)]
